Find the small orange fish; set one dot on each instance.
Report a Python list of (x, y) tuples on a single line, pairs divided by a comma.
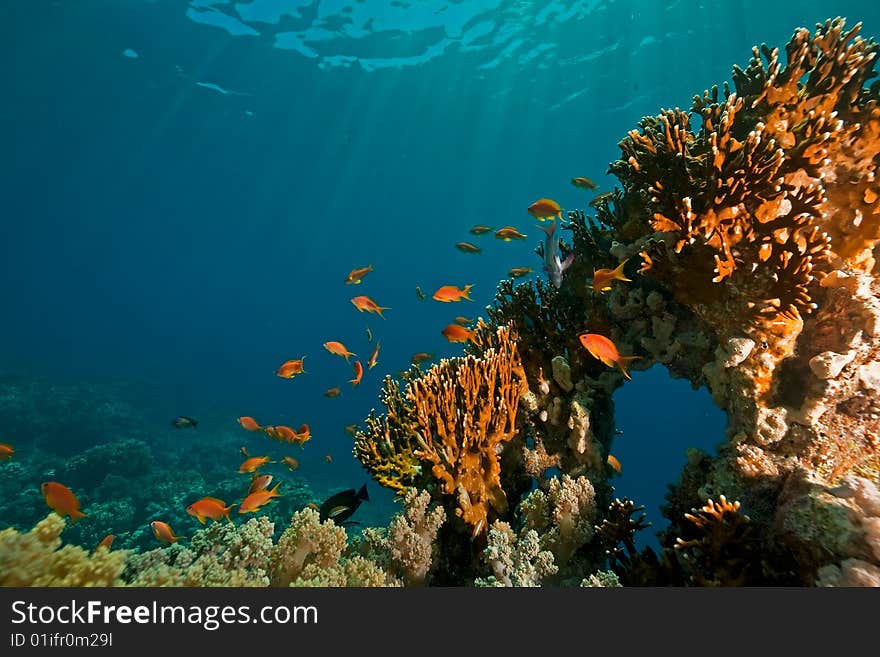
[(450, 293), (457, 333), (260, 483), (467, 247), (255, 500), (332, 392), (254, 462), (421, 357), (364, 302), (61, 500), (290, 368), (6, 451), (162, 532), (464, 321), (509, 233), (358, 373), (519, 272), (583, 182), (314, 506), (602, 277), (354, 277), (328, 458), (351, 429), (614, 463), (374, 357), (605, 350), (209, 507), (285, 433), (545, 208), (480, 229), (249, 423), (303, 435), (290, 462), (272, 432), (339, 349), (106, 542)]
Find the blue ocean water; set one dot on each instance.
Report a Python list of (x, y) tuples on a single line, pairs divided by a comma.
[(185, 186)]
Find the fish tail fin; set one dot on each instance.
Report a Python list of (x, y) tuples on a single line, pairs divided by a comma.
[(381, 308), (362, 493), (76, 514), (274, 491), (548, 230), (467, 291), (623, 364), (618, 272)]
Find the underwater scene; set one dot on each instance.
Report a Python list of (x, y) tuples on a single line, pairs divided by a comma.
[(440, 293)]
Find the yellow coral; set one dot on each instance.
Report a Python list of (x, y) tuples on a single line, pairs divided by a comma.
[(37, 559)]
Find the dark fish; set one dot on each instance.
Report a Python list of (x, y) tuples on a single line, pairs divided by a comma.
[(184, 422), (421, 295), (341, 506)]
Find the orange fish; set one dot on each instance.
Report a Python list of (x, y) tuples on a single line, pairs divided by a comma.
[(272, 432), (290, 462), (249, 423), (290, 368), (456, 333), (351, 429), (209, 507), (602, 277), (464, 321), (545, 208), (339, 349), (583, 182), (254, 462), (449, 293), (509, 233), (421, 357), (162, 532), (106, 542), (6, 451), (358, 373), (614, 463), (255, 500), (605, 350), (303, 435), (467, 247), (328, 458), (480, 229), (332, 392), (364, 302), (519, 272), (284, 433), (374, 357), (355, 276), (62, 500), (260, 483)]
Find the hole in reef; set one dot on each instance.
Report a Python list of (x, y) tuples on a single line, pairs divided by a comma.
[(660, 418)]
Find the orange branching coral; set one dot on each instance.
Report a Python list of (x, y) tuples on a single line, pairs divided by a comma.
[(465, 411), (719, 552), (778, 181), (454, 418)]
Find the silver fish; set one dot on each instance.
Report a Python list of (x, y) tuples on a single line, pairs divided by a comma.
[(554, 267)]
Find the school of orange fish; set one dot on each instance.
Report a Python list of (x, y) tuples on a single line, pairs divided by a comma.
[(65, 503)]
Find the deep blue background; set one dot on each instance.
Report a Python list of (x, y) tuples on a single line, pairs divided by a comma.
[(159, 231)]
